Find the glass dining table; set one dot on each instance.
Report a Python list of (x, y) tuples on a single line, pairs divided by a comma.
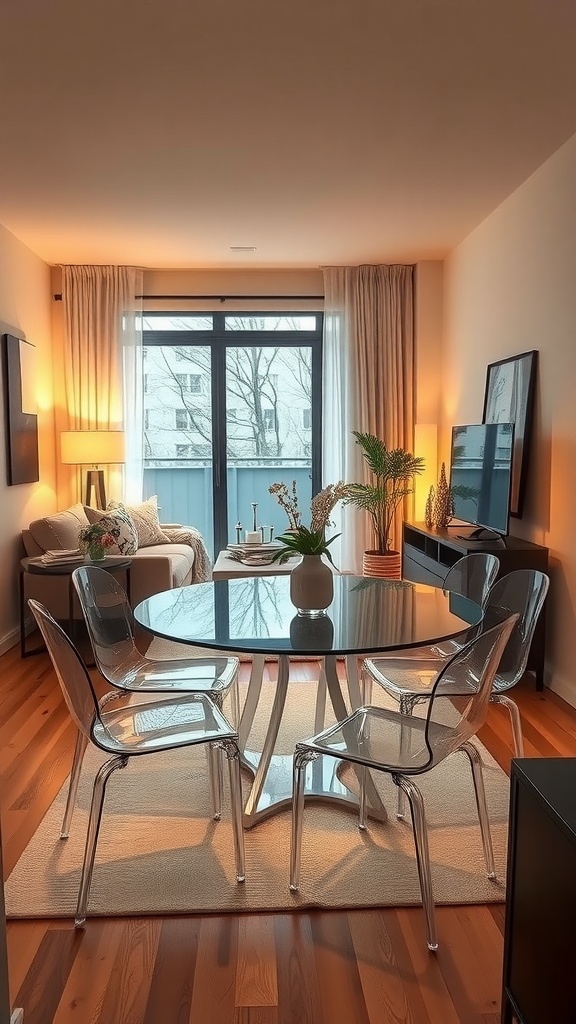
[(254, 615)]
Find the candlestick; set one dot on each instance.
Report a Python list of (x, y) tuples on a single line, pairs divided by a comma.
[(238, 532), (254, 521)]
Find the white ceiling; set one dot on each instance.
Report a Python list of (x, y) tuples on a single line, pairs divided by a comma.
[(163, 132)]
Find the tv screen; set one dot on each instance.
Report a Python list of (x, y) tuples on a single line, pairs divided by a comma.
[(481, 474)]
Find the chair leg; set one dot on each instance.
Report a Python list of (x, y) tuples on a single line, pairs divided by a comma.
[(422, 855), (478, 777), (94, 820), (405, 707), (235, 701), (233, 756), (362, 802), (302, 757), (79, 751), (515, 721), (215, 777)]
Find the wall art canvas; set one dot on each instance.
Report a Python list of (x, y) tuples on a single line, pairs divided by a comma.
[(509, 397), (21, 417)]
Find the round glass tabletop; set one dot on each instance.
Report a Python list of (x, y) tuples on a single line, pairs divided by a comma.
[(255, 615)]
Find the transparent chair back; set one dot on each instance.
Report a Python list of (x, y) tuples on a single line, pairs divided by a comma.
[(456, 709), (72, 674), (109, 620), (473, 576), (524, 592), (110, 625), (459, 699)]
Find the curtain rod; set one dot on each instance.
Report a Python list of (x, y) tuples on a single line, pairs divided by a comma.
[(220, 298)]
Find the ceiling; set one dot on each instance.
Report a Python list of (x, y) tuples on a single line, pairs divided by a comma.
[(164, 132)]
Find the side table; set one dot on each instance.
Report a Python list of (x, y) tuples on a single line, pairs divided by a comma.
[(35, 566)]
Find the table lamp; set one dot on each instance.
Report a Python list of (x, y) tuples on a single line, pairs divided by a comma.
[(92, 448)]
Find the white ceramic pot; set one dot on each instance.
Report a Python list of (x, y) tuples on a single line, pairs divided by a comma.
[(311, 585)]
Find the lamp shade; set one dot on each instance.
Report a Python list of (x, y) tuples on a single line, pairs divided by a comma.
[(91, 447)]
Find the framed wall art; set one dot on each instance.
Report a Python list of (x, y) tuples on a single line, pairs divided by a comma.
[(509, 397), (21, 417)]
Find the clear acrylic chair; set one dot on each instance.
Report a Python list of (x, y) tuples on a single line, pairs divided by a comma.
[(110, 625), (471, 576), (407, 746), (127, 728), (522, 591)]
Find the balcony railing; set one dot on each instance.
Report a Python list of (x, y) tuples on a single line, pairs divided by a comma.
[(184, 489)]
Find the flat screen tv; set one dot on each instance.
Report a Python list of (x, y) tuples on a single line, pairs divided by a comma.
[(481, 476)]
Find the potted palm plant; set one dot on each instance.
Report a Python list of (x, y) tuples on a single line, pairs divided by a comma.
[(393, 470)]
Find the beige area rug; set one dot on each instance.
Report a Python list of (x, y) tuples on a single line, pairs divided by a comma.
[(159, 852)]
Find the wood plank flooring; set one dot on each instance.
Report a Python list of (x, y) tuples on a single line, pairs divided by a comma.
[(358, 967)]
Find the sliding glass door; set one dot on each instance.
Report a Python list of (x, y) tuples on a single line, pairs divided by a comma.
[(232, 403)]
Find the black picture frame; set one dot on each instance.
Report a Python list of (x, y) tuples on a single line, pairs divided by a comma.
[(22, 465), (509, 397)]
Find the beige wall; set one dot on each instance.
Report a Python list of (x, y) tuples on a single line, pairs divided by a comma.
[(25, 312), (510, 287), (234, 282)]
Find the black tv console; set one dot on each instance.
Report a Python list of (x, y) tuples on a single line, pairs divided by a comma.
[(539, 981), (428, 554)]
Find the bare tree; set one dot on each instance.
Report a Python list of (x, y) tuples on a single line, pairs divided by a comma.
[(266, 389)]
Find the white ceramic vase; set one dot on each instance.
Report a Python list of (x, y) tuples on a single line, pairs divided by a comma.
[(311, 586)]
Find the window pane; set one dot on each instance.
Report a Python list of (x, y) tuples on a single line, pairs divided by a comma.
[(270, 323), (178, 434), (267, 390), (263, 433), (168, 322)]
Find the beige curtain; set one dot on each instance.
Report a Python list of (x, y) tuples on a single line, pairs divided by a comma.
[(368, 380), (100, 348)]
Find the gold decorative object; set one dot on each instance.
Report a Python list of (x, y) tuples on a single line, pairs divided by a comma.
[(429, 510), (443, 503)]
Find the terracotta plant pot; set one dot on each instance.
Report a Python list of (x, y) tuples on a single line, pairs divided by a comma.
[(388, 566)]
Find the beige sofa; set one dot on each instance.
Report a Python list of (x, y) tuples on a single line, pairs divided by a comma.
[(154, 568)]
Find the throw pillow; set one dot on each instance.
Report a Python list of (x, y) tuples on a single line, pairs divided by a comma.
[(60, 530), (121, 526), (145, 518)]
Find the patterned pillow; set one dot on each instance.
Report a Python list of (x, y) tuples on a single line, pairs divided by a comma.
[(145, 518), (120, 524)]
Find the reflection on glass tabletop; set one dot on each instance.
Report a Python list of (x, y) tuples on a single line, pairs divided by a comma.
[(255, 615)]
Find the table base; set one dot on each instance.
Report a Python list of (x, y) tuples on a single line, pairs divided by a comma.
[(323, 785), (271, 789)]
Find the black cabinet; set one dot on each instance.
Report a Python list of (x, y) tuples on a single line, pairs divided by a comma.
[(539, 980), (428, 554)]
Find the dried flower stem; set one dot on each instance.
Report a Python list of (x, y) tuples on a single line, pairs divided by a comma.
[(289, 502)]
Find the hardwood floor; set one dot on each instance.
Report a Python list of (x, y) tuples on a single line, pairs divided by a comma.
[(361, 967)]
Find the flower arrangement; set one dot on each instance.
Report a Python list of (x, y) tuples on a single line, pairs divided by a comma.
[(93, 541), (289, 502), (301, 540)]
